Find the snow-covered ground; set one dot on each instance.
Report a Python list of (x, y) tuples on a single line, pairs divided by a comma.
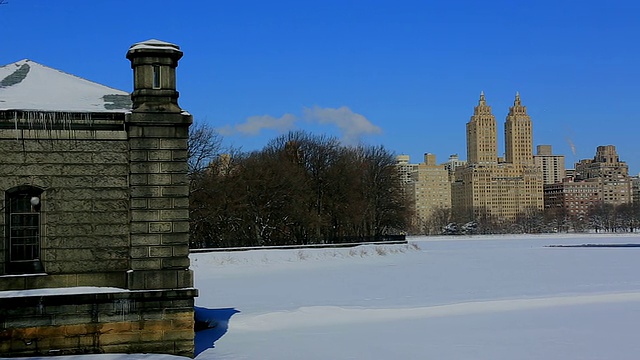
[(502, 297), (506, 297)]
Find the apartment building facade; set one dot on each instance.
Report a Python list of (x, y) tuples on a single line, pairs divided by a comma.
[(428, 189), (552, 166), (577, 198), (611, 173)]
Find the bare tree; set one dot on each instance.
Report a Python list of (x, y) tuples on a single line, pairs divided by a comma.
[(439, 218), (216, 203), (299, 189), (204, 145)]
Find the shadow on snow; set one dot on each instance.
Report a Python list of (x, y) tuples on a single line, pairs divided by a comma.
[(210, 325)]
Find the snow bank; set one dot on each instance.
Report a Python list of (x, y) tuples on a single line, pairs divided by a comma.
[(287, 256)]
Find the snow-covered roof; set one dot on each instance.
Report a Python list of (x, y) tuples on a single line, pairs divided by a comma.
[(30, 86)]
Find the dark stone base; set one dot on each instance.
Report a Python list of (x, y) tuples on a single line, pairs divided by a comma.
[(156, 321)]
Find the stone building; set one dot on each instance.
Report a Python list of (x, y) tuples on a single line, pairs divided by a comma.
[(576, 198), (601, 180), (95, 217), (611, 173), (430, 191), (488, 185)]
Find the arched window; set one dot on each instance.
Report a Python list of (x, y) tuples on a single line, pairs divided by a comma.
[(23, 205)]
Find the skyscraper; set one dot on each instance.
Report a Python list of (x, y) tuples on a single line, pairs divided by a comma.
[(482, 146), (517, 133), (499, 189)]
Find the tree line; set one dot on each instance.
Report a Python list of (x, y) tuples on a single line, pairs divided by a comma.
[(299, 189), (600, 218)]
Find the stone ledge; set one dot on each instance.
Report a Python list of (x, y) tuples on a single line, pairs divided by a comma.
[(96, 298)]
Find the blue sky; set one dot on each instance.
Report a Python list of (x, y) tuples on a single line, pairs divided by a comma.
[(405, 74)]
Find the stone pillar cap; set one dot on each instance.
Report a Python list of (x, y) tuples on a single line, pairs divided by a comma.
[(154, 46)]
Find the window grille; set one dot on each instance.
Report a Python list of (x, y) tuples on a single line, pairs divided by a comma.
[(23, 233)]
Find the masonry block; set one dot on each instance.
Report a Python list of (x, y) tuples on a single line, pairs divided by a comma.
[(139, 203), (185, 279), (144, 143), (179, 155), (175, 263), (160, 227), (146, 264), (173, 143), (160, 251), (181, 227), (144, 167), (139, 227), (175, 238), (143, 191), (175, 191), (181, 250), (145, 215), (175, 214), (145, 239), (174, 167), (159, 179), (160, 155), (161, 203)]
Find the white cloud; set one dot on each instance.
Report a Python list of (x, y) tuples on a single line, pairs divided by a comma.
[(352, 125), (255, 124)]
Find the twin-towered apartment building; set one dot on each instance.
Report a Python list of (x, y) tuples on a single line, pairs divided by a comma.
[(516, 184)]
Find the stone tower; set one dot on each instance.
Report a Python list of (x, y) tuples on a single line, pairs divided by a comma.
[(517, 133), (482, 135), (158, 133)]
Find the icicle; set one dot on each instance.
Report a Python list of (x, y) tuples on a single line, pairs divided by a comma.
[(123, 306), (15, 122), (40, 307)]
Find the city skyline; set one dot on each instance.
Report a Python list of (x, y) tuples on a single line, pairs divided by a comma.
[(405, 74)]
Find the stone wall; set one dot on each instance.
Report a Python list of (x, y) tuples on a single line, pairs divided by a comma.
[(84, 205), (116, 322)]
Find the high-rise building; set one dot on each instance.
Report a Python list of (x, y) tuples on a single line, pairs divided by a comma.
[(404, 168), (482, 146), (552, 166), (427, 186), (431, 190), (488, 186), (517, 133), (635, 188), (452, 164)]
